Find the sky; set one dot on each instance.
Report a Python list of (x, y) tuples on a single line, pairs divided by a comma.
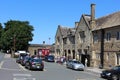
[(46, 15)]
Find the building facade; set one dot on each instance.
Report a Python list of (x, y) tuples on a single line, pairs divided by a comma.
[(97, 40), (106, 41)]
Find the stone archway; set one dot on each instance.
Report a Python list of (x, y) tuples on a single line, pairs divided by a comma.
[(69, 54), (73, 51)]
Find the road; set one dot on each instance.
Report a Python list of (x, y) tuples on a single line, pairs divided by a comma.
[(10, 70)]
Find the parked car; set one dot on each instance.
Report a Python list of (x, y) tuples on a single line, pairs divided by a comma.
[(61, 60), (68, 63), (113, 73), (75, 65), (35, 63), (21, 58), (17, 54), (26, 58), (50, 58)]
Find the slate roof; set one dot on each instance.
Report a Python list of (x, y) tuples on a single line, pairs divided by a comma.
[(72, 31), (87, 19), (64, 31), (108, 21), (38, 45)]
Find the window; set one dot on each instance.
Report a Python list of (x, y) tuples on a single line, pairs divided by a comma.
[(95, 38), (118, 36), (82, 36), (98, 56), (72, 39), (108, 36), (65, 40), (108, 56)]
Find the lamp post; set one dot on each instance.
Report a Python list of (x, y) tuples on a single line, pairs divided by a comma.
[(49, 40)]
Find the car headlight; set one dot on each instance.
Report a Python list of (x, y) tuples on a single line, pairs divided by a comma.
[(108, 74)]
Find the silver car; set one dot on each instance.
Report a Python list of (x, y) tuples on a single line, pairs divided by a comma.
[(75, 64)]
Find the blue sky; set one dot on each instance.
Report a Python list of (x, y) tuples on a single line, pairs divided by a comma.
[(46, 15)]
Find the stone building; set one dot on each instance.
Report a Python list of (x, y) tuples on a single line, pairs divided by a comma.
[(65, 42), (69, 44), (106, 41), (60, 33), (82, 39), (33, 48), (97, 40)]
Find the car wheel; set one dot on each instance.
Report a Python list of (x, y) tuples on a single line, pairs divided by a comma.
[(114, 77)]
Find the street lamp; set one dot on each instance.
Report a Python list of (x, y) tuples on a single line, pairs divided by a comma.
[(49, 40)]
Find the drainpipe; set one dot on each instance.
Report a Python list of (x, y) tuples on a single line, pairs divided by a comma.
[(102, 49)]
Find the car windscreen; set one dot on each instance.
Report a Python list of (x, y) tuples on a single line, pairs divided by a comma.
[(116, 68), (51, 57), (37, 60), (77, 62)]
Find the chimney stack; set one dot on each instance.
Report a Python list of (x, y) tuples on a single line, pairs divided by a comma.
[(76, 24), (92, 15)]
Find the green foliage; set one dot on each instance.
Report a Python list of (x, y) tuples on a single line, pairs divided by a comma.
[(18, 33)]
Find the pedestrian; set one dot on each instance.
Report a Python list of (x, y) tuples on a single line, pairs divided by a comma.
[(86, 61)]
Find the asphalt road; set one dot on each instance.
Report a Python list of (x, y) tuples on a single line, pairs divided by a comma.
[(10, 70)]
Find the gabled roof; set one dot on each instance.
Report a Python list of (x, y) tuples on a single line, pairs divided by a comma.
[(108, 21), (72, 31), (86, 18), (63, 30)]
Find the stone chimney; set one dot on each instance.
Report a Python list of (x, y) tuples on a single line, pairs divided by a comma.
[(76, 24), (92, 16)]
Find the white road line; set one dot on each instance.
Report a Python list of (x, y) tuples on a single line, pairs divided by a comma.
[(1, 64), (26, 75), (24, 78), (7, 56), (17, 76), (22, 67)]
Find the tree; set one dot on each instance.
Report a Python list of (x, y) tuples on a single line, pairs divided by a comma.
[(17, 35), (1, 30)]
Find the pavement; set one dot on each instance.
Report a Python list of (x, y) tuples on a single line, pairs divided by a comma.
[(94, 69)]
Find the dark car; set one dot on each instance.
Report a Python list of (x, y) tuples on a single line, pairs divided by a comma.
[(50, 58), (26, 59), (35, 63), (113, 73), (21, 58)]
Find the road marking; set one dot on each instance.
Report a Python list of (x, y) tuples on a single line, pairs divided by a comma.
[(24, 79), (22, 67), (28, 75), (18, 76), (7, 56), (44, 70), (1, 64)]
